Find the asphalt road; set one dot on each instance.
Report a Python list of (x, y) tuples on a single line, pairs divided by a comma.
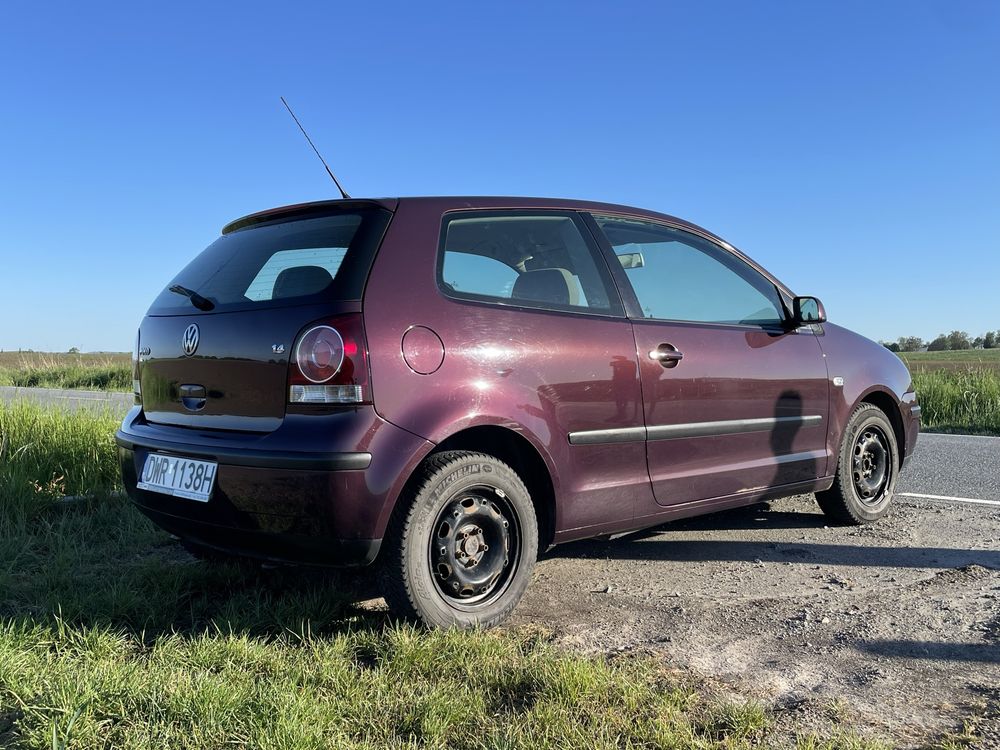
[(959, 466)]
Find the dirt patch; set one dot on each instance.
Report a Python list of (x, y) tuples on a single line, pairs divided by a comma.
[(889, 629)]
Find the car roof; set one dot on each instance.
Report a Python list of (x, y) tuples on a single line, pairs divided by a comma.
[(455, 202), (444, 203)]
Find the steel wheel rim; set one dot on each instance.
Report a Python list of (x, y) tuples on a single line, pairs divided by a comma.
[(870, 466), (474, 547)]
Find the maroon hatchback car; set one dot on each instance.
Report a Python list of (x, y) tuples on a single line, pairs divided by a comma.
[(447, 386)]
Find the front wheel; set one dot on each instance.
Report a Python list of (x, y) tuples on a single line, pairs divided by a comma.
[(461, 554), (867, 468)]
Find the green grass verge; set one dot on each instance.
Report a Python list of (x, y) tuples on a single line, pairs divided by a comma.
[(98, 372), (110, 636), (395, 687), (959, 400), (958, 391), (45, 454)]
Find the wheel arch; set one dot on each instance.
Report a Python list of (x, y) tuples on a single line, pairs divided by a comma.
[(516, 450), (886, 402), (512, 447)]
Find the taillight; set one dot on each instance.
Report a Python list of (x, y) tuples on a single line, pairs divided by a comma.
[(319, 354), (329, 364), (136, 386)]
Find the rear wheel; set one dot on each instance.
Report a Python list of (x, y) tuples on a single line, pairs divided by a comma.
[(461, 554), (867, 469)]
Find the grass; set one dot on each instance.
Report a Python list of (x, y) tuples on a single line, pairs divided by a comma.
[(101, 372), (397, 687), (48, 453), (958, 391), (959, 400), (110, 636)]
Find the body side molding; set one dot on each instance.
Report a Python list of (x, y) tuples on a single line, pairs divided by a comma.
[(689, 430)]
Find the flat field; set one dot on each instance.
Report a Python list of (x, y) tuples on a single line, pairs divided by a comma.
[(963, 359)]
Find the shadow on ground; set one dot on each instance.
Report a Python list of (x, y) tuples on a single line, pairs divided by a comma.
[(668, 543), (987, 653)]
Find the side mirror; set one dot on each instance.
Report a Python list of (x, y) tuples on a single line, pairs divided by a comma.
[(808, 310)]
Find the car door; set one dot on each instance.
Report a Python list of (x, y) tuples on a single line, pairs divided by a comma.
[(735, 400)]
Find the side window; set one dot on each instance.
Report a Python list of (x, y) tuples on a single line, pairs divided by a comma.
[(524, 259), (677, 275)]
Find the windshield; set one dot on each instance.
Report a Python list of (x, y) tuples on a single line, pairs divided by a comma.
[(283, 263)]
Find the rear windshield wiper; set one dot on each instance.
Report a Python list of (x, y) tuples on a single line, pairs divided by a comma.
[(196, 299)]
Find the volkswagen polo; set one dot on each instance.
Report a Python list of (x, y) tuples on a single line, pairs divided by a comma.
[(445, 387)]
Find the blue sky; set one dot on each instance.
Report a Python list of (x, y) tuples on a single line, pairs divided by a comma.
[(853, 148)]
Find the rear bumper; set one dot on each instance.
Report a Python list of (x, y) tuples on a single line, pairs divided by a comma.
[(262, 459), (318, 490)]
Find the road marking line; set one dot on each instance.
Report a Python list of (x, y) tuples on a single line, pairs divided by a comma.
[(948, 498)]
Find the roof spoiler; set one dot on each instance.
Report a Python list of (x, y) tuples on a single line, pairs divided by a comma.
[(305, 210)]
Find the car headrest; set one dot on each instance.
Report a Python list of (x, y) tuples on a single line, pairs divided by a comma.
[(554, 285), (301, 281)]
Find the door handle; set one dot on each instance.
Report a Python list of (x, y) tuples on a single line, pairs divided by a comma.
[(667, 355)]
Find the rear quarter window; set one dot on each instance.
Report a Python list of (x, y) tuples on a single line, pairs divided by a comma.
[(537, 259), (282, 263)]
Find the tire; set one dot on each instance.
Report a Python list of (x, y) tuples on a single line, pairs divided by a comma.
[(460, 552), (867, 469)]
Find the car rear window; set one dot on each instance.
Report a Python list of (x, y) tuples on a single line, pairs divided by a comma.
[(280, 263)]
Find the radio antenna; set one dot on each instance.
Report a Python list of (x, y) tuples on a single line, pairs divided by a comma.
[(333, 177)]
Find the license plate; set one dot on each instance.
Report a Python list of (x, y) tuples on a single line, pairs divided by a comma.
[(180, 477)]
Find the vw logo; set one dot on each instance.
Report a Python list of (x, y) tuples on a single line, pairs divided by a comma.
[(190, 339)]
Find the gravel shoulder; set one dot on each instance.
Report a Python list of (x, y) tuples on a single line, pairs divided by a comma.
[(891, 629)]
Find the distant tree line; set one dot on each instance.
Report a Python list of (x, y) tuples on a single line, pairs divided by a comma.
[(946, 342)]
